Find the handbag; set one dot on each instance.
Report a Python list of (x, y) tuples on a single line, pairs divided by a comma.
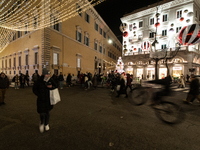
[(54, 96), (118, 87)]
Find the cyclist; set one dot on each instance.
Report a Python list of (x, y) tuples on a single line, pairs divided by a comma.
[(165, 92)]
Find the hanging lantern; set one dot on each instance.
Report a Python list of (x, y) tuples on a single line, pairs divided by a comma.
[(124, 46), (134, 28), (134, 35), (172, 25), (134, 24), (123, 27), (135, 49), (124, 41), (185, 11), (190, 14), (157, 15), (181, 19), (125, 34), (125, 50), (188, 20), (132, 46), (145, 45), (157, 24), (189, 35), (134, 32)]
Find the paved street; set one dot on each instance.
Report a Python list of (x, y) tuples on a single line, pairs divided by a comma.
[(94, 120)]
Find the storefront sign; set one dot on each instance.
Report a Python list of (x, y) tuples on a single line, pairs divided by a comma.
[(177, 68), (151, 69)]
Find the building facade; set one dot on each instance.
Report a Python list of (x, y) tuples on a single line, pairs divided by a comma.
[(139, 29), (79, 44)]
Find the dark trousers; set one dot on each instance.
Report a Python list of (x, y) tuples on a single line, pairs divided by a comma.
[(2, 95), (192, 97), (44, 118), (129, 87)]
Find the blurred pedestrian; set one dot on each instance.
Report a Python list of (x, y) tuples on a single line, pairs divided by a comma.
[(16, 81), (94, 81), (42, 90), (122, 89), (4, 85), (128, 84), (61, 80), (69, 79), (27, 79)]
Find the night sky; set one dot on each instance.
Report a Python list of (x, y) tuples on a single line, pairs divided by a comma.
[(112, 10)]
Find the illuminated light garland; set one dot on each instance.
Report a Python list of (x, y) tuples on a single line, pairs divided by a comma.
[(37, 14)]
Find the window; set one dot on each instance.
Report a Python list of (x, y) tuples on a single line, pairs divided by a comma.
[(79, 10), (78, 36), (18, 34), (26, 29), (55, 58), (36, 57), (179, 14), (178, 29), (140, 24), (2, 64), (100, 48), (96, 26), (95, 45), (87, 41), (35, 22), (6, 63), (56, 26), (14, 61), (164, 32), (87, 17), (139, 50), (196, 14), (78, 63), (151, 21), (164, 46), (26, 60), (164, 18), (14, 36), (130, 27), (104, 34), (19, 60), (100, 31), (151, 35), (108, 54), (10, 63), (104, 50)]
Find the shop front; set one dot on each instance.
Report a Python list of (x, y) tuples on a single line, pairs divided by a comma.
[(150, 73), (162, 73), (129, 70), (177, 71), (140, 72)]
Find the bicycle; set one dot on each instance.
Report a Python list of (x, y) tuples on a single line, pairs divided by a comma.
[(166, 111)]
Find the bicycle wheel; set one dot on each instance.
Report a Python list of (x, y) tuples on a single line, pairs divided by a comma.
[(139, 96), (168, 112)]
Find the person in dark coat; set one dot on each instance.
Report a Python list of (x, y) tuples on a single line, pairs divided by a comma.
[(188, 77), (61, 79), (194, 90), (27, 79), (94, 81), (42, 90), (69, 79), (56, 79), (22, 81), (129, 80), (4, 84), (122, 90)]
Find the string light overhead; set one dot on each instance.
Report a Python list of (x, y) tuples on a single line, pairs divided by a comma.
[(30, 15)]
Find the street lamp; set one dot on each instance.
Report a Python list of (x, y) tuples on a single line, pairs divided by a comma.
[(110, 41)]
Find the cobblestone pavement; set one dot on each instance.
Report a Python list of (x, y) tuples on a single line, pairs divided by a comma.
[(94, 120)]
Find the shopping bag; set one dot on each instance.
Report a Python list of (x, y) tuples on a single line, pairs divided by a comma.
[(54, 96), (118, 87)]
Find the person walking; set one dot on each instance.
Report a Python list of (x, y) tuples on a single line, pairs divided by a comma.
[(27, 79), (182, 82), (128, 84), (35, 77), (22, 82), (194, 90), (188, 77), (4, 85), (61, 80), (16, 81), (122, 89), (69, 79), (94, 81), (42, 90)]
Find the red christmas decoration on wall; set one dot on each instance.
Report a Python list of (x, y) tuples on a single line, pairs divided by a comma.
[(145, 45), (181, 19), (125, 34), (190, 35), (135, 49), (157, 24)]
